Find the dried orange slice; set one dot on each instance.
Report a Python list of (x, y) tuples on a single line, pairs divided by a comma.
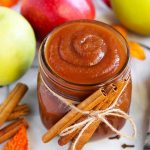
[(136, 50), (8, 3), (18, 142)]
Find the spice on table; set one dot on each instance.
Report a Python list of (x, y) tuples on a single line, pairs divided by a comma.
[(114, 137), (19, 141), (10, 130), (11, 102), (127, 146)]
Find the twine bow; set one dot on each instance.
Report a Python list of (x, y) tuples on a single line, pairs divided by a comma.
[(102, 116)]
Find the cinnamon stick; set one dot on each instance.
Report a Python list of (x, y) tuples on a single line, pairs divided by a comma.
[(20, 111), (11, 101), (88, 133), (10, 130), (74, 115), (21, 107), (10, 96)]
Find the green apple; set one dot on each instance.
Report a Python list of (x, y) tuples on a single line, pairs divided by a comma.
[(133, 14), (17, 46)]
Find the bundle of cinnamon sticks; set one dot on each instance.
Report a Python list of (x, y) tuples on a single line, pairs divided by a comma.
[(11, 110), (100, 100)]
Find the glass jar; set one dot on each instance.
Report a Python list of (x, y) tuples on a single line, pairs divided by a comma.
[(52, 109)]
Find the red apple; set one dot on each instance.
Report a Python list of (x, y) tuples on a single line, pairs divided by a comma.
[(44, 15)]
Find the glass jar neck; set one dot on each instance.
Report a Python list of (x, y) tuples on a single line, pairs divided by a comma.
[(70, 90)]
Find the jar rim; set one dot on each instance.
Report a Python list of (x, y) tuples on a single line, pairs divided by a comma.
[(59, 79)]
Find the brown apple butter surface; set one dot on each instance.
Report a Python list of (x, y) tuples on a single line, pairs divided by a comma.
[(85, 53)]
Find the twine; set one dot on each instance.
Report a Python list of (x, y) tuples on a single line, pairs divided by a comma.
[(64, 100), (94, 115)]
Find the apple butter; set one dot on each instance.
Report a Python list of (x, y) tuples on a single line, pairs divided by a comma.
[(75, 60)]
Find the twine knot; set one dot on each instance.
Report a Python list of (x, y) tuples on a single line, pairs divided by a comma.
[(101, 115)]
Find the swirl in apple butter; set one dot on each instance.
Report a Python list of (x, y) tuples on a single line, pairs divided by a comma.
[(85, 53)]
